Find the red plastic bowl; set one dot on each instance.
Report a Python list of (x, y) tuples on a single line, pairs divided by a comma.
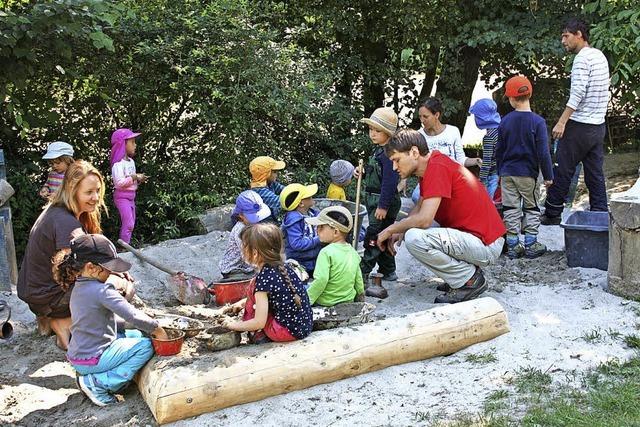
[(171, 346), (230, 292)]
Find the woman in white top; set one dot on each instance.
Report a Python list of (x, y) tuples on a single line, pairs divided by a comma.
[(444, 138)]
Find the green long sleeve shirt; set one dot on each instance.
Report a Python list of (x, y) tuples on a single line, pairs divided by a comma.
[(337, 277)]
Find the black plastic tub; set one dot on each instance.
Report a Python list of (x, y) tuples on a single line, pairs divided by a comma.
[(586, 239)]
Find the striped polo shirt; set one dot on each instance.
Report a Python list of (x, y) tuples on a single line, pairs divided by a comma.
[(589, 94)]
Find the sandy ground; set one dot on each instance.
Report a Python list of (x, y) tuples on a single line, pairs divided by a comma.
[(550, 308)]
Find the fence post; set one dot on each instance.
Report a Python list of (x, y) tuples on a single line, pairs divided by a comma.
[(8, 262)]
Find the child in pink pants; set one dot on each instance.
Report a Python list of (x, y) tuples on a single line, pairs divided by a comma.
[(125, 179)]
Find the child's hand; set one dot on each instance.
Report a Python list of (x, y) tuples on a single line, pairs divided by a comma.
[(229, 323), (159, 333), (356, 172), (44, 192), (359, 298), (141, 178), (234, 308), (380, 214)]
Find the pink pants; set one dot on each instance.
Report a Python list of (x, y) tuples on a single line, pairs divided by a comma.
[(274, 330), (125, 201)]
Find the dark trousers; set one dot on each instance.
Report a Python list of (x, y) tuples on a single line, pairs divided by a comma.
[(372, 255), (581, 143)]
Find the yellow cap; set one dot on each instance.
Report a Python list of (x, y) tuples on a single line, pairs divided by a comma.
[(293, 194)]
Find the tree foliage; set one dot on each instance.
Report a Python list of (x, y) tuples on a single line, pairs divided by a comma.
[(213, 84)]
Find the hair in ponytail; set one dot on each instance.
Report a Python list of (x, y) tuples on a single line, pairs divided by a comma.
[(287, 279), (65, 269)]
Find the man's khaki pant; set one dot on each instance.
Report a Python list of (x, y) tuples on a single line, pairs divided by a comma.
[(451, 254)]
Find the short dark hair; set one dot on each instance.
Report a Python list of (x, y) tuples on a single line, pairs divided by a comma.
[(573, 25), (432, 104), (404, 139)]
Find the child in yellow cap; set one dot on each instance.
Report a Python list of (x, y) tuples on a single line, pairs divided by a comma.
[(264, 181), (302, 241)]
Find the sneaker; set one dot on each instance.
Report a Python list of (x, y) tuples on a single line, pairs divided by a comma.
[(515, 251), (471, 290), (93, 392), (535, 250), (550, 220), (391, 277)]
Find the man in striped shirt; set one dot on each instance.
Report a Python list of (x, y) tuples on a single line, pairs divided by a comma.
[(581, 127)]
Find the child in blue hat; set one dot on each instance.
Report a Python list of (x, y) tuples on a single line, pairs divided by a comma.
[(485, 114), (250, 209)]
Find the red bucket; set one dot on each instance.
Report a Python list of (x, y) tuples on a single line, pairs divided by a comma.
[(230, 292), (171, 346)]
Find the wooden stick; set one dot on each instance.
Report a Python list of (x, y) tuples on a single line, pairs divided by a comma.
[(190, 385), (356, 230), (144, 258)]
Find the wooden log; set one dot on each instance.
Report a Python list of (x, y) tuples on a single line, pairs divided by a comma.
[(624, 243), (179, 387)]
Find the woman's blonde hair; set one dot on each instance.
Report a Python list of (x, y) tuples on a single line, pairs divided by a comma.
[(66, 195)]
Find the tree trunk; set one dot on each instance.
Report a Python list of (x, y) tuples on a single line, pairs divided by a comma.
[(427, 85), (459, 76)]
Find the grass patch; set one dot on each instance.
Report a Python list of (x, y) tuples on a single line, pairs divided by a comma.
[(592, 336), (481, 358), (632, 341), (531, 380)]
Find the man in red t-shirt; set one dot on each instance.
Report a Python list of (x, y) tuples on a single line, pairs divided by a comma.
[(471, 232)]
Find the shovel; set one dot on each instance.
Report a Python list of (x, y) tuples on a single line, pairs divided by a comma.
[(187, 289)]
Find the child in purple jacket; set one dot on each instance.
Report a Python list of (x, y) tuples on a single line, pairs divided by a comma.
[(125, 179)]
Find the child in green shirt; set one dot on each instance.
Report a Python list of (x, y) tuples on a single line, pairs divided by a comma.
[(337, 277)]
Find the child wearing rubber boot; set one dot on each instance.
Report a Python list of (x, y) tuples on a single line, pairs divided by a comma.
[(381, 199), (337, 277), (521, 152), (105, 356)]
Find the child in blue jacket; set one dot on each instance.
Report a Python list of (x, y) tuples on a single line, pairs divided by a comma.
[(302, 241)]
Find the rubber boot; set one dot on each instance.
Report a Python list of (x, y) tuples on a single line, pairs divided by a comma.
[(375, 290)]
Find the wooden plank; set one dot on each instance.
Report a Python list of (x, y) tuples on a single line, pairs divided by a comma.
[(178, 388)]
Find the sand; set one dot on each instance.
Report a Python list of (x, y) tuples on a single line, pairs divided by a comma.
[(551, 307)]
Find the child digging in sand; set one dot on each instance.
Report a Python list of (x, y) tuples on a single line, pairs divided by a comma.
[(278, 309), (104, 358), (337, 277)]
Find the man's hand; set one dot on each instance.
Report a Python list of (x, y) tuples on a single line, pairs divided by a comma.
[(380, 214), (558, 130), (548, 183), (357, 172), (387, 241)]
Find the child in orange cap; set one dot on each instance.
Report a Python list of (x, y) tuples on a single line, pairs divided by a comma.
[(264, 181)]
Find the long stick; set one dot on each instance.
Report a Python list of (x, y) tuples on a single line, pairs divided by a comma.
[(139, 254), (356, 230)]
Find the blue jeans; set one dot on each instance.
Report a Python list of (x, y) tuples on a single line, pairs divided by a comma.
[(120, 361), (491, 184)]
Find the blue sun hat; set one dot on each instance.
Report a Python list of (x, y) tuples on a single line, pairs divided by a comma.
[(485, 113), (250, 204)]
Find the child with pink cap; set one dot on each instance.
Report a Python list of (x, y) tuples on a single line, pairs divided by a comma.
[(125, 179)]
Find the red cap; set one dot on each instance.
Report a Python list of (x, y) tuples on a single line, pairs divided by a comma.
[(518, 86)]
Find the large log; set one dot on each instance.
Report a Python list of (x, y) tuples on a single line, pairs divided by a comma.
[(624, 243), (179, 387)]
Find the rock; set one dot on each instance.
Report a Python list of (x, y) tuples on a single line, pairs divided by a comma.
[(216, 219)]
